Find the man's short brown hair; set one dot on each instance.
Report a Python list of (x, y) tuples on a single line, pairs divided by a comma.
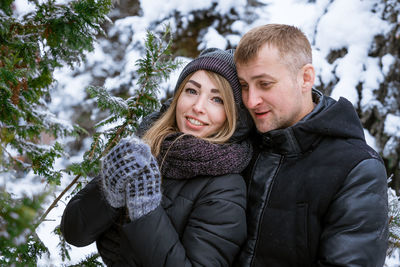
[(293, 46)]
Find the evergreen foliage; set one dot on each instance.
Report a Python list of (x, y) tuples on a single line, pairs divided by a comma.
[(124, 116), (394, 221), (19, 244), (90, 261), (31, 48)]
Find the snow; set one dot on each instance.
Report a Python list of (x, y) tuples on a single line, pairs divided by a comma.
[(393, 260), (157, 10), (72, 88), (370, 140), (287, 12), (392, 125), (387, 61), (336, 30), (322, 67), (390, 147), (238, 26), (213, 39), (22, 7), (330, 25)]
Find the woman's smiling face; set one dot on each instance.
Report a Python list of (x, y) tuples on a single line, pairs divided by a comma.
[(200, 108)]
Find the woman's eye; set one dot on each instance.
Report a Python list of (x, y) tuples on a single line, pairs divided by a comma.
[(190, 91), (218, 100)]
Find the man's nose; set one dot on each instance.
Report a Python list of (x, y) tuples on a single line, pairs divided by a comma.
[(251, 98)]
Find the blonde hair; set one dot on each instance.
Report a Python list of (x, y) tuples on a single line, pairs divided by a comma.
[(166, 124), (293, 46)]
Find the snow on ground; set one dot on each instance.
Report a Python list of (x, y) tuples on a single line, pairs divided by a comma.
[(328, 24), (393, 260)]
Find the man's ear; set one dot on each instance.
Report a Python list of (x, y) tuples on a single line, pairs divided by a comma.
[(307, 77)]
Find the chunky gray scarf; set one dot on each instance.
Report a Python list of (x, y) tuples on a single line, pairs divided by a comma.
[(185, 156)]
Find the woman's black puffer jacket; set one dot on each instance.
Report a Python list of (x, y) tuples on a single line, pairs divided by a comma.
[(201, 222)]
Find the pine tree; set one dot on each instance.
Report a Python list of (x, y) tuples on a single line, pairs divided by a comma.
[(394, 221), (152, 68), (31, 48)]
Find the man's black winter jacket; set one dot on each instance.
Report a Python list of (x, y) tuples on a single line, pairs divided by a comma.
[(317, 194)]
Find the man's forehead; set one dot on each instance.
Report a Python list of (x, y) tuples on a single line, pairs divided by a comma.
[(254, 67), (256, 76)]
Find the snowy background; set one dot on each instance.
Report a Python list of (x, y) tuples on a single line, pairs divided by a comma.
[(343, 34)]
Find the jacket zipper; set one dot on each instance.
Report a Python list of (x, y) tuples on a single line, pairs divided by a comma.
[(265, 204)]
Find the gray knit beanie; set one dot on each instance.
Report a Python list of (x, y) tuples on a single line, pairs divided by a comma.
[(222, 63), (218, 61)]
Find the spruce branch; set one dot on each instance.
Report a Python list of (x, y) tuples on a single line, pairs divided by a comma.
[(155, 66), (31, 48), (394, 220), (90, 260), (19, 245), (63, 245), (54, 203)]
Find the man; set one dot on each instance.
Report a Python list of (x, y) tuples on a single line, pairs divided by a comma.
[(317, 193)]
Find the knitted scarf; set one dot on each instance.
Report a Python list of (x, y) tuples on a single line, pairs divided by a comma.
[(186, 156)]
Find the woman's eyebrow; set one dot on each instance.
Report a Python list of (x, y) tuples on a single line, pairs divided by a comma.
[(195, 83)]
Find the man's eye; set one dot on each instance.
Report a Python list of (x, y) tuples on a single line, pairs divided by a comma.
[(218, 100), (244, 86), (265, 84)]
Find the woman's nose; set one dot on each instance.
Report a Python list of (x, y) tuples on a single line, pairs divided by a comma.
[(200, 105)]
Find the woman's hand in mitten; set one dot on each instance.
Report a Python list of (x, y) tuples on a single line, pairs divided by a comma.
[(127, 159), (143, 193)]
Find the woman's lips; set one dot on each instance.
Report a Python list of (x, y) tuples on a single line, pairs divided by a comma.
[(194, 123)]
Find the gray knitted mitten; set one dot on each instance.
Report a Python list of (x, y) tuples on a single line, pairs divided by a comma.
[(123, 164), (143, 193)]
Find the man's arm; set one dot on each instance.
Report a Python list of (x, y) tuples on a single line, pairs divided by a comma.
[(355, 231)]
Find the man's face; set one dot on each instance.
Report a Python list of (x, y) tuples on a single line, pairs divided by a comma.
[(270, 91)]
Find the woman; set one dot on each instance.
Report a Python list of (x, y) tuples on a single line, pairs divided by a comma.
[(199, 150)]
